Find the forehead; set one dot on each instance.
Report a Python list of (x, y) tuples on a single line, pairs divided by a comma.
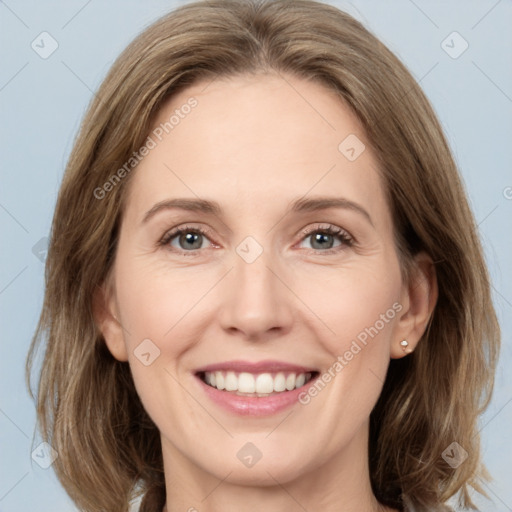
[(260, 140)]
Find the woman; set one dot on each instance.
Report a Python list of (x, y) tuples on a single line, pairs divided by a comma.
[(198, 354)]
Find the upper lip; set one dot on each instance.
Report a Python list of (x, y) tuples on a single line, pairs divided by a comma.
[(256, 367)]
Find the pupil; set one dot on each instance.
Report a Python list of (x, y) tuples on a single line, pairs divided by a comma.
[(190, 238), (193, 238), (321, 237)]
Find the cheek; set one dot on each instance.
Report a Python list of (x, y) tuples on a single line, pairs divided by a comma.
[(156, 303), (158, 310), (363, 317), (355, 304)]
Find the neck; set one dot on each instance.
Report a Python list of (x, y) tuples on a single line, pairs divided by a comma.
[(339, 484)]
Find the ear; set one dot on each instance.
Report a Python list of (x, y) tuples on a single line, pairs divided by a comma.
[(106, 318), (418, 299)]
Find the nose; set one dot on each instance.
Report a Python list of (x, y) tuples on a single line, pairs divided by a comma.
[(256, 302)]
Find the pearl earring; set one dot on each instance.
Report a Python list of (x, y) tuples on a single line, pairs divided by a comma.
[(405, 346)]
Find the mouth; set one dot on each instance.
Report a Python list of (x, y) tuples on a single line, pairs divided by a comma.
[(256, 384), (255, 388)]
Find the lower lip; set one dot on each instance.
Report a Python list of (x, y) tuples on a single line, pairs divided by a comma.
[(252, 405)]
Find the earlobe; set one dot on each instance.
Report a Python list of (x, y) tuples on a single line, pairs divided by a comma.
[(106, 318), (419, 298), (405, 347)]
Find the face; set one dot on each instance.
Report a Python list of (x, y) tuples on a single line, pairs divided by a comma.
[(282, 286)]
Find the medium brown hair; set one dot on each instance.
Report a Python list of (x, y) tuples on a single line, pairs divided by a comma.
[(87, 405)]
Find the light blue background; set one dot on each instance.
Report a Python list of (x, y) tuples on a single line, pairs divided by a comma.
[(43, 101)]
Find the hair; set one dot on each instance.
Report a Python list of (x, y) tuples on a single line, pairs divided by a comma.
[(87, 406)]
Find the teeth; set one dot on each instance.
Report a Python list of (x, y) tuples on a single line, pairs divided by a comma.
[(218, 379), (231, 382), (279, 382), (261, 384), (290, 382), (246, 383), (264, 383)]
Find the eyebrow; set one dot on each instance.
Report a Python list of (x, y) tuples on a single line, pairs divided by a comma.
[(301, 205)]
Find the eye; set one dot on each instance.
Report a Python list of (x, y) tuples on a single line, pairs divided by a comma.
[(185, 239), (323, 238)]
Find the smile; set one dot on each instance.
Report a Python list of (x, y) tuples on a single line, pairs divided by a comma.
[(255, 388), (262, 384)]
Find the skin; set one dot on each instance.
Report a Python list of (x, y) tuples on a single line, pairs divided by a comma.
[(254, 144)]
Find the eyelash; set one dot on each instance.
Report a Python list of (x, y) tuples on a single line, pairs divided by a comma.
[(342, 235)]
